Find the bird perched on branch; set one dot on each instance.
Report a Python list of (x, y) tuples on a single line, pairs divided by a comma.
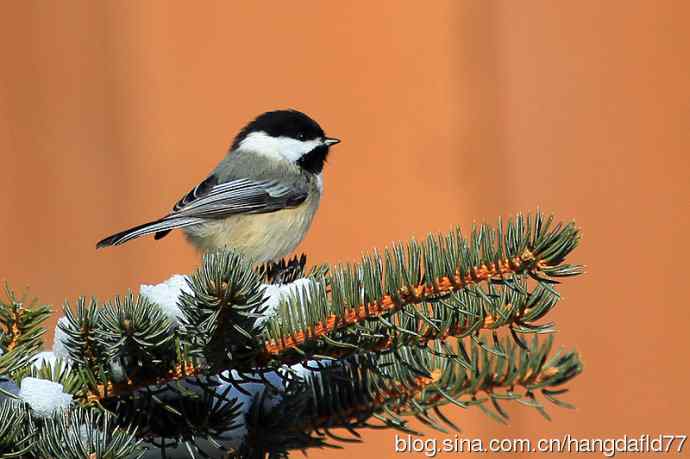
[(260, 199)]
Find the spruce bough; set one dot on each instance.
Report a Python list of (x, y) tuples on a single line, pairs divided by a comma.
[(260, 361)]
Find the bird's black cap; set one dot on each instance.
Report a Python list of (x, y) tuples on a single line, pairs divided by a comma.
[(282, 123)]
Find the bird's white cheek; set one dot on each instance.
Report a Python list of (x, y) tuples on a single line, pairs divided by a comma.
[(278, 147), (293, 149), (263, 144)]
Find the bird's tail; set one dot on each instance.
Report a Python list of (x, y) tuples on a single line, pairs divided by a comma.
[(162, 227)]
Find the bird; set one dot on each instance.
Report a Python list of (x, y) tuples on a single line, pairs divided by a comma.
[(260, 199)]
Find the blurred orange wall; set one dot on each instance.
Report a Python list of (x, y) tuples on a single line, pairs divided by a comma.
[(450, 111)]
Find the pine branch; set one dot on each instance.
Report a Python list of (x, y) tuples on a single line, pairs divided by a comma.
[(80, 328), (380, 286), (321, 321), (398, 334), (136, 337), (412, 381), (226, 295), (16, 429), (20, 338), (220, 322), (80, 433), (20, 324), (463, 314)]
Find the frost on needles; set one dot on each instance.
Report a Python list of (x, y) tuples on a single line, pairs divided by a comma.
[(236, 360)]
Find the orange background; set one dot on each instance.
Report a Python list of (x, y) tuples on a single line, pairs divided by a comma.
[(449, 111)]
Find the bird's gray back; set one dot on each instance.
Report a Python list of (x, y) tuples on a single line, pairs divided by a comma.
[(247, 165)]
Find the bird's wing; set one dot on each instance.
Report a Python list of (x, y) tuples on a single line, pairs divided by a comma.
[(197, 191), (211, 199)]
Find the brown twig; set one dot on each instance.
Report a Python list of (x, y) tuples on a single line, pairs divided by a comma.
[(407, 296), (15, 331)]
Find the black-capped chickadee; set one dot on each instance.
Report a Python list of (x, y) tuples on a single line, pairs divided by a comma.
[(262, 196)]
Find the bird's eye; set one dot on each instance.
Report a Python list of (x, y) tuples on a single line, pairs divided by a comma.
[(301, 136)]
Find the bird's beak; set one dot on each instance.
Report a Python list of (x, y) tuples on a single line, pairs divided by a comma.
[(328, 141)]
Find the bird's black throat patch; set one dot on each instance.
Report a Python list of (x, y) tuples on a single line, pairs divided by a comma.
[(314, 160)]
